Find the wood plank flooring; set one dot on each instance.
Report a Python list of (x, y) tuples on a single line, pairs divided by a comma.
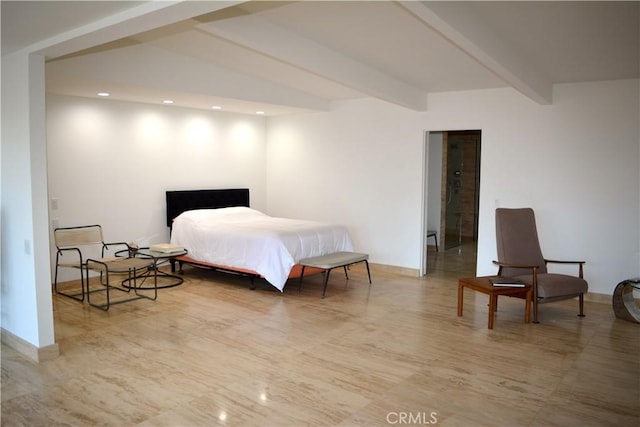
[(211, 352)]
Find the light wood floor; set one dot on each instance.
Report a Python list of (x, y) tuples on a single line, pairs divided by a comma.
[(211, 352)]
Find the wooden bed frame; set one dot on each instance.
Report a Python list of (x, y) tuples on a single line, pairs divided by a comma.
[(181, 201)]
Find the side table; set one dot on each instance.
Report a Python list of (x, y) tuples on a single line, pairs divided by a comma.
[(484, 285), (156, 257), (624, 304)]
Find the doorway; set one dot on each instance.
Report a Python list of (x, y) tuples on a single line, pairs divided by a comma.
[(452, 190)]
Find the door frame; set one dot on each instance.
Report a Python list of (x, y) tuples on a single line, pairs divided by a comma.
[(426, 195)]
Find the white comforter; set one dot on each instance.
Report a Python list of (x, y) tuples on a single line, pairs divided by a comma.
[(241, 237)]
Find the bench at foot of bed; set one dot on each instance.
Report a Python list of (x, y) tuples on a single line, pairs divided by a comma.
[(296, 270), (335, 260)]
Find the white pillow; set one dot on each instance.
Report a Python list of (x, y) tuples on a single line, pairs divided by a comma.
[(198, 215)]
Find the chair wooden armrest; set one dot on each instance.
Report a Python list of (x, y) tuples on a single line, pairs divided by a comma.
[(555, 261), (503, 264), (534, 269), (580, 264)]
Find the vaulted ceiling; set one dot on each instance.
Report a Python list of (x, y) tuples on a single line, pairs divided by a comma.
[(295, 56)]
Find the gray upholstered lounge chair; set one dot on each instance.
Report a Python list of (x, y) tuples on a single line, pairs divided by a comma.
[(520, 257)]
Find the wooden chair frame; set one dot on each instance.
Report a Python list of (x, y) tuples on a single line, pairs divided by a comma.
[(519, 249), (534, 271)]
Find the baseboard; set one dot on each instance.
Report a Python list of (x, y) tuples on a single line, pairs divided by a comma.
[(599, 298), (37, 354), (394, 269), (414, 272)]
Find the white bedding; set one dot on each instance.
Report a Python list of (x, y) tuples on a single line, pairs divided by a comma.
[(241, 237)]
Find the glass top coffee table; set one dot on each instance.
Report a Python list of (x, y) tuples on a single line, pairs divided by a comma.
[(161, 278)]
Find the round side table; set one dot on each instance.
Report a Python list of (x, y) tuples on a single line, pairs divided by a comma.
[(624, 304)]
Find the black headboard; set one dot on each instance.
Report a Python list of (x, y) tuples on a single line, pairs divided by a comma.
[(180, 201)]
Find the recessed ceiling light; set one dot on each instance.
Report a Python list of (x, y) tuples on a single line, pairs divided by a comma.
[(216, 107), (103, 94), (167, 101), (259, 112)]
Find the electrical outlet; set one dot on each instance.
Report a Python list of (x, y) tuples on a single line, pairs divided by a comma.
[(54, 204)]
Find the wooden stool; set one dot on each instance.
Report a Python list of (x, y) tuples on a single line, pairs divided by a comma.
[(484, 285)]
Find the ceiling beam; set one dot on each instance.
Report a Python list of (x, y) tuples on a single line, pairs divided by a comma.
[(459, 26), (144, 17), (276, 42), (162, 71)]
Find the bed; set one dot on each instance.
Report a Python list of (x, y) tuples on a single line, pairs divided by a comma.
[(222, 232)]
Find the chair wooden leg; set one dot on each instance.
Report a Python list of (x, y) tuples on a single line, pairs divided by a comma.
[(581, 302), (535, 310)]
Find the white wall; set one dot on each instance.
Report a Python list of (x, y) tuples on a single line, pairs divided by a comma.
[(25, 291), (111, 162), (359, 165), (575, 162)]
